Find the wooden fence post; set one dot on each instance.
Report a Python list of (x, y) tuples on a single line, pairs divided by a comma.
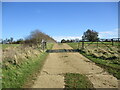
[(43, 45), (112, 42), (97, 43), (82, 44), (78, 45)]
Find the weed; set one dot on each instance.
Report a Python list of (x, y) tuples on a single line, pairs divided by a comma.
[(75, 80)]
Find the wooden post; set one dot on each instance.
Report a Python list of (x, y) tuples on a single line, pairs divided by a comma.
[(78, 45), (82, 44), (97, 43), (118, 42), (43, 45), (46, 45), (112, 42)]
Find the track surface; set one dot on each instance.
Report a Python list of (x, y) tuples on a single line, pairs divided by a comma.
[(57, 64)]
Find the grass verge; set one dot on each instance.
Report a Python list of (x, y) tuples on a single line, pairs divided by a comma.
[(113, 69), (75, 80), (16, 75)]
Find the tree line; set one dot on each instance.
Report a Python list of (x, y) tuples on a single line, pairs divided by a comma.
[(91, 36), (34, 38), (11, 41)]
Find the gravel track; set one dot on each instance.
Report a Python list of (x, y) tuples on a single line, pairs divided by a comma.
[(52, 73)]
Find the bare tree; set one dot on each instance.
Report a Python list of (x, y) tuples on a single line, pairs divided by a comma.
[(36, 37)]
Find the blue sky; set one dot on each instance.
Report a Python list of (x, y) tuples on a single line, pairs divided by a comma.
[(60, 20)]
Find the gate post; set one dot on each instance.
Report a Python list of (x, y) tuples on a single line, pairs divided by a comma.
[(78, 45), (97, 43), (112, 42), (43, 45), (82, 44)]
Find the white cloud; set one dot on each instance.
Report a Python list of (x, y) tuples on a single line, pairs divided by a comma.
[(109, 34), (59, 38)]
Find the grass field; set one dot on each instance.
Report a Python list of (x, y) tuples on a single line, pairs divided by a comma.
[(4, 46), (75, 80), (15, 76), (109, 43), (111, 65)]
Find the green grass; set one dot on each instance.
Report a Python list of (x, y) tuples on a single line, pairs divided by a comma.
[(15, 76), (49, 45), (109, 65), (4, 46), (60, 43), (73, 45), (100, 43), (75, 80)]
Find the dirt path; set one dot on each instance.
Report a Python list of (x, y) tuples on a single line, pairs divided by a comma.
[(57, 64)]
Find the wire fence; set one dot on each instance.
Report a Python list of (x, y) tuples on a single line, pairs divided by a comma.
[(115, 42)]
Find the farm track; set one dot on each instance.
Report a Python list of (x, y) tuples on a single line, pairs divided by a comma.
[(52, 74)]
